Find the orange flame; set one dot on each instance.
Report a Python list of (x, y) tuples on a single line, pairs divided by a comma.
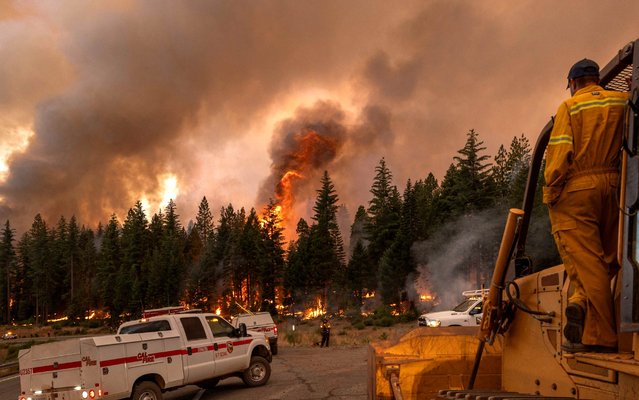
[(315, 312), (425, 297), (311, 153)]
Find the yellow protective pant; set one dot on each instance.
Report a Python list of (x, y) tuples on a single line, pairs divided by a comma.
[(584, 221)]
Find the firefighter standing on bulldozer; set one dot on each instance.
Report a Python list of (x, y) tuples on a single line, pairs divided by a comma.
[(582, 180)]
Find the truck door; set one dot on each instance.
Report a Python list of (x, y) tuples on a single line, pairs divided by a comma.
[(476, 313), (230, 350), (199, 356)]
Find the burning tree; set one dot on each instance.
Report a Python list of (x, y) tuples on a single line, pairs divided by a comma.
[(273, 256), (316, 259)]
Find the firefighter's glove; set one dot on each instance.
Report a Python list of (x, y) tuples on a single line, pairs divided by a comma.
[(551, 194)]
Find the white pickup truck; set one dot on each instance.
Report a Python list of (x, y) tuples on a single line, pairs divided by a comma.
[(144, 359), (467, 313)]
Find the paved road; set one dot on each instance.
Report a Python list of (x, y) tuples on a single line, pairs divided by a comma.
[(336, 373)]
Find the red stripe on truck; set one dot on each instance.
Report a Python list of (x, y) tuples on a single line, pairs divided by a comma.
[(140, 357), (49, 368), (143, 357)]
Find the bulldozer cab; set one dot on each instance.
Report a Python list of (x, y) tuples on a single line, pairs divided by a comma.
[(516, 352)]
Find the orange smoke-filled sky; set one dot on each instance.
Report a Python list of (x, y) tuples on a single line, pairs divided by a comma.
[(103, 103)]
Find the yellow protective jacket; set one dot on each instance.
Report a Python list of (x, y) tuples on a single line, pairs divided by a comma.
[(586, 137)]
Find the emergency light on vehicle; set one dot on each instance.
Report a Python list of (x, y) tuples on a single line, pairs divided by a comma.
[(88, 395)]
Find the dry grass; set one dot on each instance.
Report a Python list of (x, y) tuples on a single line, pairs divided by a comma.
[(307, 333)]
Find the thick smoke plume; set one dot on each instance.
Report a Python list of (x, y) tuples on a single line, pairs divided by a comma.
[(461, 256), (451, 261), (315, 140)]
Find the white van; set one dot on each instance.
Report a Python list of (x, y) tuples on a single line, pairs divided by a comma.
[(467, 313)]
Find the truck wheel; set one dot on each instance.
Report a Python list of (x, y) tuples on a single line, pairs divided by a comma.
[(146, 390), (257, 373), (274, 348), (209, 384)]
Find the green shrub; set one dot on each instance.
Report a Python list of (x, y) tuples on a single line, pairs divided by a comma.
[(292, 338), (359, 325), (385, 321), (408, 316)]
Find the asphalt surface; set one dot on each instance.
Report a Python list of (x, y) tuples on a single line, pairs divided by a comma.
[(333, 373)]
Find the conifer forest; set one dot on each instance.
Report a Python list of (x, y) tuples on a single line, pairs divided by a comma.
[(232, 259)]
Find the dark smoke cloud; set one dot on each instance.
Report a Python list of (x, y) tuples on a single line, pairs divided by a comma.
[(119, 93)]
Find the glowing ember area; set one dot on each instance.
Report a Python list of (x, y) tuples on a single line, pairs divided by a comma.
[(426, 297), (58, 319), (218, 311), (315, 312), (369, 295)]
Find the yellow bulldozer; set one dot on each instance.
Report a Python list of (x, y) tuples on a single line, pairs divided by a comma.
[(516, 352)]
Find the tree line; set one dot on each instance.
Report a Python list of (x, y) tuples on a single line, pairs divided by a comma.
[(241, 260)]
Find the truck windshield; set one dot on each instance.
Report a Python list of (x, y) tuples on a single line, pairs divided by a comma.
[(465, 305), (153, 326), (219, 327)]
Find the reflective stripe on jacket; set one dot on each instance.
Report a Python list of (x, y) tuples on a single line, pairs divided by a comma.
[(586, 137)]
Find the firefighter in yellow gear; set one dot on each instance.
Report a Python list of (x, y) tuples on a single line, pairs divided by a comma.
[(582, 181), (325, 329)]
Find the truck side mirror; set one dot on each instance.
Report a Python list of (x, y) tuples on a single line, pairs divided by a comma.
[(242, 330)]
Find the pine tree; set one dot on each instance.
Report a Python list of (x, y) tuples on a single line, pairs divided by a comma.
[(327, 253), (7, 273), (152, 266), (110, 259), (297, 279), (518, 166), (383, 211), (39, 254), (427, 216), (24, 291), (501, 173), (476, 189), (396, 263), (273, 256), (172, 251), (359, 271), (135, 250), (85, 273), (467, 186), (204, 222), (73, 308)]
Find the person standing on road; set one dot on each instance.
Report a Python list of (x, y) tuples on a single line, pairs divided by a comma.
[(325, 328), (582, 181)]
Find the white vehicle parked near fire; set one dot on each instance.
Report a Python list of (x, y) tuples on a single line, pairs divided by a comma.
[(144, 359), (260, 322), (467, 313)]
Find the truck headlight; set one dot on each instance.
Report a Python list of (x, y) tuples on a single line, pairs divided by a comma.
[(433, 323)]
